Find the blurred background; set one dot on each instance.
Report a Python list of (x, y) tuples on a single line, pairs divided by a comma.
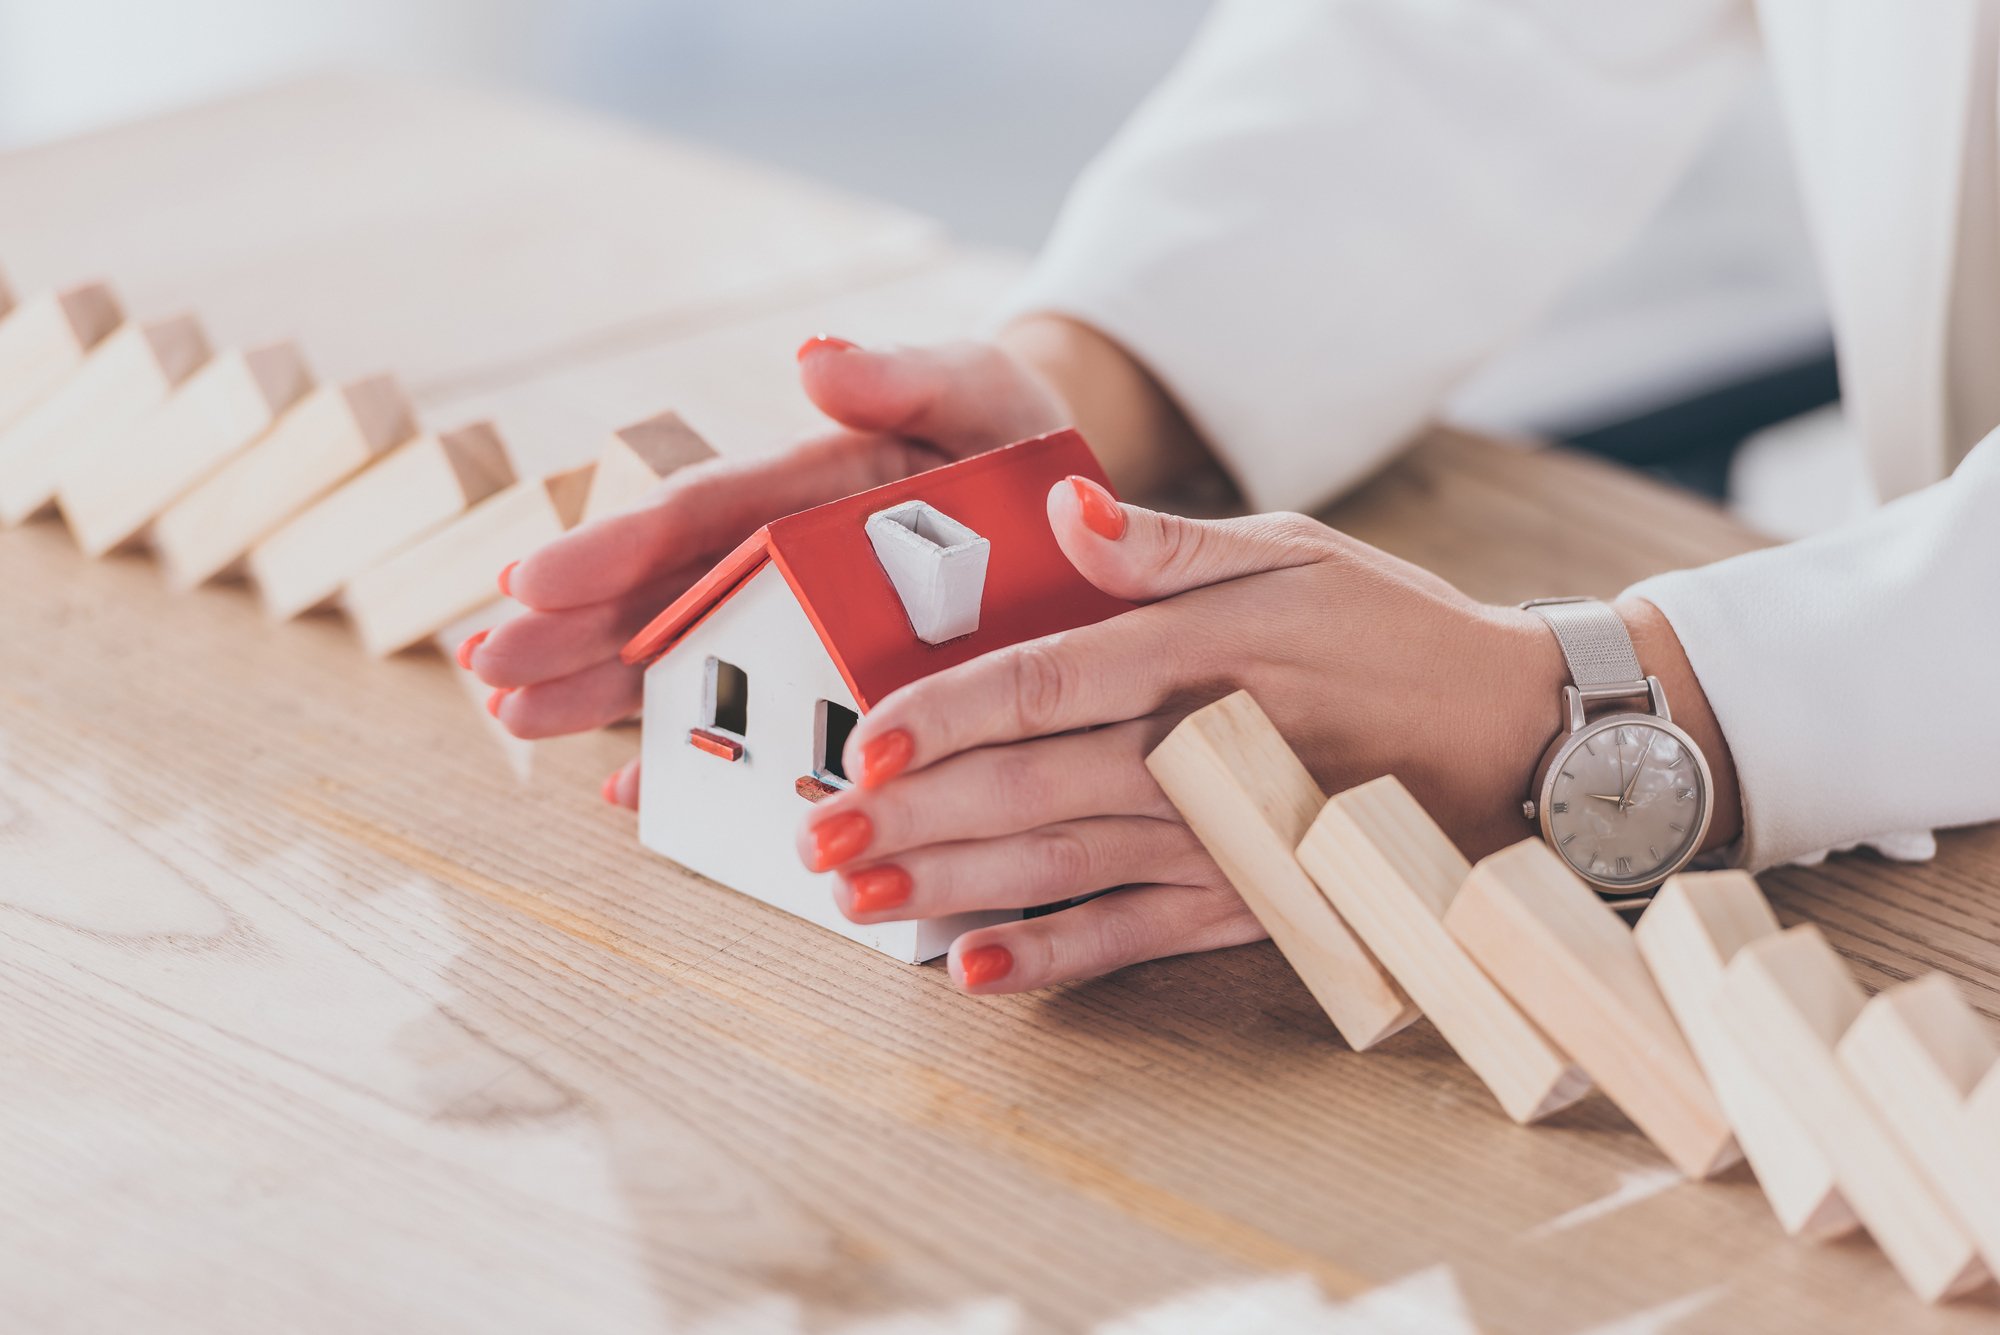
[(1709, 333)]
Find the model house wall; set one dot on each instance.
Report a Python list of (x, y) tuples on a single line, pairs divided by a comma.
[(735, 821)]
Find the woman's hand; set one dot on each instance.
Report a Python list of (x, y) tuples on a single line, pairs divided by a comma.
[(1018, 779), (587, 593)]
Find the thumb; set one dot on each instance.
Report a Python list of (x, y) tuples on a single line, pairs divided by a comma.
[(1143, 555), (962, 397)]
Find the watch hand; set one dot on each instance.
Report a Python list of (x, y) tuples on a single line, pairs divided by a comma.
[(1625, 798), (1605, 797)]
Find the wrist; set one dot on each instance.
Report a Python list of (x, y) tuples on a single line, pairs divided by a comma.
[(1139, 433), (1661, 656)]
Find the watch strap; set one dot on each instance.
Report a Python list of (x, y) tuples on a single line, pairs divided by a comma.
[(1594, 643)]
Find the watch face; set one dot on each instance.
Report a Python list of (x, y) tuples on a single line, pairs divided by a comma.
[(1626, 801)]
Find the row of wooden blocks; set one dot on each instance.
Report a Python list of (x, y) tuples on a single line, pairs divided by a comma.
[(238, 463), (1718, 1034)]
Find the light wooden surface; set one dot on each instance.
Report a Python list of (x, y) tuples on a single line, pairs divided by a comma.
[(313, 1017)]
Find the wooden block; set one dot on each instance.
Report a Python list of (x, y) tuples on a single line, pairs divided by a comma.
[(1687, 936), (636, 458), (1392, 873), (409, 493), (1918, 1053), (1565, 958), (430, 584), (1789, 999), (43, 341), (332, 433), (109, 496), (1248, 799), (129, 374)]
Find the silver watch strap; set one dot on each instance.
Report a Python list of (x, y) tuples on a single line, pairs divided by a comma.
[(1594, 643)]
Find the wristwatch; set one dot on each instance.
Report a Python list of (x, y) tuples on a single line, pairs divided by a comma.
[(1624, 796)]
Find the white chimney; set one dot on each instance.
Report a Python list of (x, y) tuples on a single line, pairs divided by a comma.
[(937, 564)]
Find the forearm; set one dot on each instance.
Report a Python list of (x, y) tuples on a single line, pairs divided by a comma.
[(1139, 433)]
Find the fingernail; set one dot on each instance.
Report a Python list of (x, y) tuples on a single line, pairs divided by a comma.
[(884, 757), (472, 642), (1102, 514), (985, 964), (874, 889), (506, 576), (494, 700), (609, 792), (840, 839), (824, 341)]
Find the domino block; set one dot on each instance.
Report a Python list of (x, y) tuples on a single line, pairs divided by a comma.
[(1918, 1053), (332, 433), (1391, 873), (43, 341), (435, 581), (636, 458), (129, 374), (1248, 799), (1789, 999), (1566, 959), (1688, 935), (409, 493), (109, 496)]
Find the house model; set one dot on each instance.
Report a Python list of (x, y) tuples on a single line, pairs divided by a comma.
[(757, 673)]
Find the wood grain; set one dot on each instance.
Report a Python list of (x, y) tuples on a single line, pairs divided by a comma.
[(313, 1016)]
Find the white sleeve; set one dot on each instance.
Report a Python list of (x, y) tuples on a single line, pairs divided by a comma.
[(1856, 675), (1334, 210)]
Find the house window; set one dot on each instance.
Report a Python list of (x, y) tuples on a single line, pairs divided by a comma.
[(830, 729), (728, 705)]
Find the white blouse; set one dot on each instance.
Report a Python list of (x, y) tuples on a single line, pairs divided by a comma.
[(1332, 211)]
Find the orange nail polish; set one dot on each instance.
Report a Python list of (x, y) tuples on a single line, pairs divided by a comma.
[(985, 964), (840, 839), (472, 642), (825, 342), (1102, 514), (494, 700), (880, 887), (506, 576), (884, 757), (609, 792)]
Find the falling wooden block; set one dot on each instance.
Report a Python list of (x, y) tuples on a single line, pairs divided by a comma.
[(1688, 935), (108, 496), (406, 495), (1392, 873), (1566, 959), (1245, 795), (450, 574), (635, 460), (1918, 1053), (1789, 999), (332, 433), (129, 374), (43, 341)]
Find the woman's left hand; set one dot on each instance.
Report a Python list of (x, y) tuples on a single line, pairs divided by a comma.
[(1018, 779)]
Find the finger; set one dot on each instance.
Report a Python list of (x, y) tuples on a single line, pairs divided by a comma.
[(992, 791), (536, 646), (1125, 668), (702, 511), (1142, 922), (1042, 866), (621, 786), (963, 397), (581, 702), (1143, 555)]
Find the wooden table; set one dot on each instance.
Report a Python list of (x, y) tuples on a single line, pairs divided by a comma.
[(316, 1018)]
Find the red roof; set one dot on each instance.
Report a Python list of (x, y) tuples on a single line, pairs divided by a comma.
[(824, 554)]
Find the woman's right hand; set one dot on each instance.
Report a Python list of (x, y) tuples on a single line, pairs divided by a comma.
[(897, 412)]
